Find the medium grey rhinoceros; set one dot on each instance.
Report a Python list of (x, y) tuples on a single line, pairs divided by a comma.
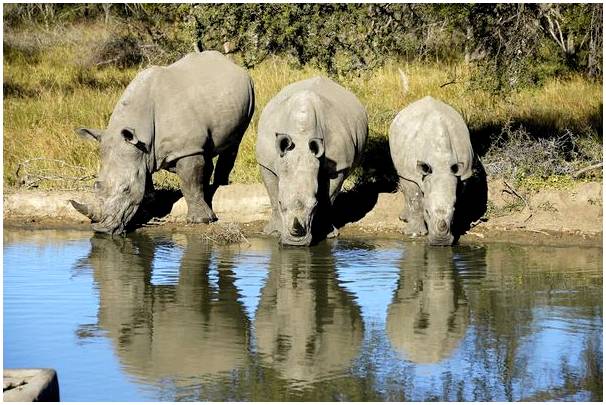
[(310, 136), (431, 151), (176, 118)]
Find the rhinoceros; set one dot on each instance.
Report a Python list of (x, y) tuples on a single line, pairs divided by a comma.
[(176, 118), (310, 136), (432, 153)]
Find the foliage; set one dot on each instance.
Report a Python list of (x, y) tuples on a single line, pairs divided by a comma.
[(512, 45)]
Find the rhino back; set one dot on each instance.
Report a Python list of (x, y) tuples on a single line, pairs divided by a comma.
[(427, 130), (341, 115), (201, 101)]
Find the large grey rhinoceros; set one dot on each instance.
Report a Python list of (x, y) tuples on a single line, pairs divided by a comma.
[(431, 151), (310, 136), (176, 118)]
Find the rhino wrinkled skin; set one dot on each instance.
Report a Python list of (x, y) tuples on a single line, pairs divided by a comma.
[(176, 118), (432, 153), (310, 136)]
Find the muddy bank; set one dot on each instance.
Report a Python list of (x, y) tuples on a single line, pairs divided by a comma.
[(558, 216)]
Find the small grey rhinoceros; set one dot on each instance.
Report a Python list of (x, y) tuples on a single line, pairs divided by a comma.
[(431, 151), (176, 118), (310, 136)]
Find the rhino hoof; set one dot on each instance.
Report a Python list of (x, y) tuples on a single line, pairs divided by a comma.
[(333, 234), (197, 219), (415, 230), (271, 229)]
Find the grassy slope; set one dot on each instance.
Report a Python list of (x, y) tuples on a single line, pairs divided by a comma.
[(50, 89)]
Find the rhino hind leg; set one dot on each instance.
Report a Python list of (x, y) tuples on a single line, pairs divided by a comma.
[(192, 170), (412, 214), (270, 180)]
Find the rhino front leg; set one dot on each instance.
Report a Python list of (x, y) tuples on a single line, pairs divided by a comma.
[(334, 187), (270, 180), (412, 213), (194, 181)]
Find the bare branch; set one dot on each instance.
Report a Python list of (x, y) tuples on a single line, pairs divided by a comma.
[(578, 173)]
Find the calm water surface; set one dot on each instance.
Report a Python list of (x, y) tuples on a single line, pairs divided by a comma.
[(173, 317)]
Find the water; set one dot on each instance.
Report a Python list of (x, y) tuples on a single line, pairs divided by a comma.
[(172, 317)]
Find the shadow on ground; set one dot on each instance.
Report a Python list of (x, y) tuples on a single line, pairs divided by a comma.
[(376, 175), (472, 200), (154, 205)]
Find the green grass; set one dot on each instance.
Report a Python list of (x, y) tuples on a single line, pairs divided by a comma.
[(51, 87)]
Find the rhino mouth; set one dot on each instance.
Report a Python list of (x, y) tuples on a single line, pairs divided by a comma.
[(440, 240), (110, 218), (304, 240)]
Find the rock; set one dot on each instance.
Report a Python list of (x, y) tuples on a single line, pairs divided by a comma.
[(30, 385)]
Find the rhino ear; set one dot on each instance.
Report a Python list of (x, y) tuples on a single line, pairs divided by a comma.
[(316, 146), (90, 133), (129, 136), (424, 168), (284, 143), (457, 168)]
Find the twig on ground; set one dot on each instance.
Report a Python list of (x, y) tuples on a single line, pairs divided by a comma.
[(225, 233), (538, 231), (452, 81)]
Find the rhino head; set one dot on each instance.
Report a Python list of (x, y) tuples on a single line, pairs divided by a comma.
[(298, 168), (120, 185), (300, 150), (440, 179)]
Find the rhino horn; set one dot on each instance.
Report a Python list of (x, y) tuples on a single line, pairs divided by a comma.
[(83, 209)]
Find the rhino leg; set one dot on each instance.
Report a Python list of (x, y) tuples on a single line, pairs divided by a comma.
[(225, 164), (334, 187), (270, 180), (194, 180), (412, 214)]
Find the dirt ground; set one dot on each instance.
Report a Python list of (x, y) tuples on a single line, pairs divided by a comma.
[(571, 216)]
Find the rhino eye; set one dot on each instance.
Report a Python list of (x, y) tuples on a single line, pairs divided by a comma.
[(456, 168), (424, 168)]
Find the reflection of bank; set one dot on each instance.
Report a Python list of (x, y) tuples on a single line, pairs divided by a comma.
[(193, 328), (429, 313), (308, 328)]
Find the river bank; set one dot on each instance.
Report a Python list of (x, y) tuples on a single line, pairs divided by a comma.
[(573, 215)]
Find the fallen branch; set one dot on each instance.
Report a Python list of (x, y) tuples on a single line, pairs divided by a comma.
[(578, 173), (30, 178), (514, 192)]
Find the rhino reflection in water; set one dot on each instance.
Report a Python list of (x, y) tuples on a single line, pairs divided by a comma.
[(429, 313), (307, 327), (188, 329)]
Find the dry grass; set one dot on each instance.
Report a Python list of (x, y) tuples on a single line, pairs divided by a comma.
[(51, 88)]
